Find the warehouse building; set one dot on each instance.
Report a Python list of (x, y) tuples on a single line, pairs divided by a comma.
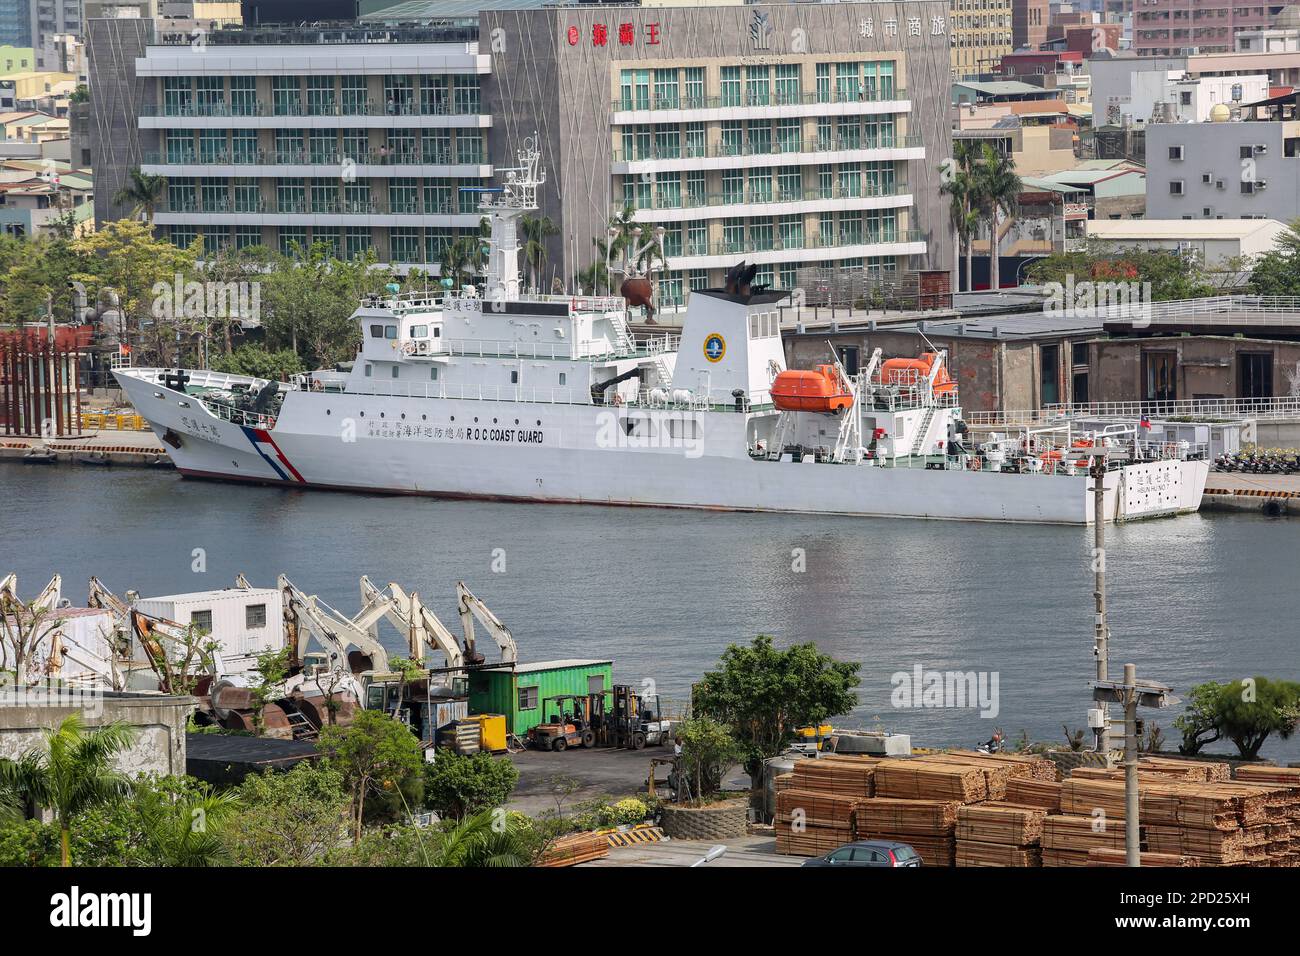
[(787, 135)]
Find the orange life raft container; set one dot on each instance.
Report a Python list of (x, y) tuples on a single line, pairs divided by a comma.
[(810, 390), (906, 372)]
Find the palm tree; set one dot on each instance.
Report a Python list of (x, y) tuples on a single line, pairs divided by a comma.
[(535, 230), (72, 774), (142, 192), (997, 188), (963, 211), (484, 839), (185, 830)]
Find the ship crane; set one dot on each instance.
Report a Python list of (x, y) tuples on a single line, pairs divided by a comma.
[(470, 608), (421, 626), (305, 616)]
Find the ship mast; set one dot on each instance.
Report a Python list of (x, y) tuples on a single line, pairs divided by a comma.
[(504, 208)]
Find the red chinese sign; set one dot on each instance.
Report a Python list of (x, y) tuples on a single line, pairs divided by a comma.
[(626, 34)]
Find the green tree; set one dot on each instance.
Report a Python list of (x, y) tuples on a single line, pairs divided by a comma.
[(185, 829), (1172, 276), (71, 773), (376, 755), (997, 192), (307, 303), (257, 361), (457, 785), (1247, 712), (293, 818), (708, 749), (272, 668), (764, 694), (535, 231), (1277, 272), (142, 193), (963, 207)]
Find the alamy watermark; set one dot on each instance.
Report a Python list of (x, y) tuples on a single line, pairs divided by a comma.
[(1091, 300), (922, 688), (194, 300)]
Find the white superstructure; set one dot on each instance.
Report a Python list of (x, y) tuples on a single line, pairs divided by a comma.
[(488, 393)]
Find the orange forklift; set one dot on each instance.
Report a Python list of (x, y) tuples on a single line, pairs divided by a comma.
[(573, 722)]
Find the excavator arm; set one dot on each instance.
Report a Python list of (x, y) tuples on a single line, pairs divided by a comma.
[(417, 623), (470, 608), (305, 615)]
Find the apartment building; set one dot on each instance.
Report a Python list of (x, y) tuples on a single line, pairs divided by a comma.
[(51, 19), (787, 135), (982, 33), (1172, 27), (1029, 20), (1224, 169)]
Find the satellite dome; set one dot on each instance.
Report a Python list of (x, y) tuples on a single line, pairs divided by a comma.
[(1219, 113)]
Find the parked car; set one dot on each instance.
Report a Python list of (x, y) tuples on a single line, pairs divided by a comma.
[(869, 853)]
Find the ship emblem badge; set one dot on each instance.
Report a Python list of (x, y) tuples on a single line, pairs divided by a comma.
[(715, 346)]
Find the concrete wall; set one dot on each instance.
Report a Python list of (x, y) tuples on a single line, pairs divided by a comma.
[(1215, 148), (159, 746), (116, 93), (1207, 366)]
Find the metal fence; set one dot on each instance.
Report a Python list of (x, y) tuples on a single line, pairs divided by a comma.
[(1196, 409)]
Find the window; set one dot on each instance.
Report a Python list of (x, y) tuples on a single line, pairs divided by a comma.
[(1159, 375), (1049, 374), (1175, 187), (849, 355), (201, 621), (528, 698), (255, 616), (1175, 152), (514, 376), (377, 331), (1255, 375), (564, 378), (433, 374), (396, 370)]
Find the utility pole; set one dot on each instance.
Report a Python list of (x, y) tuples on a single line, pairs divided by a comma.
[(1132, 844), (1101, 633)]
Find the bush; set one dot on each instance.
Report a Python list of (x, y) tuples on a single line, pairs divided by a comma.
[(257, 361), (29, 843), (456, 785), (599, 814)]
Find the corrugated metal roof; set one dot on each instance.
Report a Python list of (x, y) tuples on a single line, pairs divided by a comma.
[(418, 10), (1180, 228), (558, 665)]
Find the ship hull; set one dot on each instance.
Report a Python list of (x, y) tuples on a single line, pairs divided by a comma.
[(576, 454)]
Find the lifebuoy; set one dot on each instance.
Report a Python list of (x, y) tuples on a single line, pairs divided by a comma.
[(408, 347)]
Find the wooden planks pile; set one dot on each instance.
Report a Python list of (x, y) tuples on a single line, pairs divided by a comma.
[(1287, 776), (1101, 857), (1067, 838), (1032, 792), (810, 823), (928, 826), (849, 776), (918, 780), (999, 834), (575, 848)]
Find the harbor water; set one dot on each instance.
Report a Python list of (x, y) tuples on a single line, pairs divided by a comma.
[(664, 592)]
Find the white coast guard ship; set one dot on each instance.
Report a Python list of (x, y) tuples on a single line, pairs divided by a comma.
[(503, 395)]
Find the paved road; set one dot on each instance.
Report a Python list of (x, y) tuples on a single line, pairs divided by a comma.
[(743, 851), (1231, 482)]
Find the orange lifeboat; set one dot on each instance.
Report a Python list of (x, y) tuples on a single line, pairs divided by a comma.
[(906, 373), (810, 390)]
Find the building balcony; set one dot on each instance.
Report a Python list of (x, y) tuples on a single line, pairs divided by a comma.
[(317, 212), (681, 109), (813, 247), (261, 114), (834, 149), (772, 202), (295, 162)]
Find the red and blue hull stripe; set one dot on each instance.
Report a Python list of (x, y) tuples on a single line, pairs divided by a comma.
[(265, 446)]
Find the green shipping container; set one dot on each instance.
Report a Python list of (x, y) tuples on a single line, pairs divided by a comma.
[(520, 693)]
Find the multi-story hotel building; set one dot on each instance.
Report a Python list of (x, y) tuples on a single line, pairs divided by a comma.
[(787, 135)]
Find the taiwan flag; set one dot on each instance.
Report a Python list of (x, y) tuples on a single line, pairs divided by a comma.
[(1145, 423)]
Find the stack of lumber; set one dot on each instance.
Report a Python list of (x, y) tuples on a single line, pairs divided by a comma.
[(849, 776), (1287, 776), (999, 834), (575, 848), (927, 826), (919, 780), (1101, 857), (810, 823), (1209, 772), (1067, 839), (1032, 792)]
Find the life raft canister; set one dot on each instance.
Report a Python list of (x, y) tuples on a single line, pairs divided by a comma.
[(810, 390)]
